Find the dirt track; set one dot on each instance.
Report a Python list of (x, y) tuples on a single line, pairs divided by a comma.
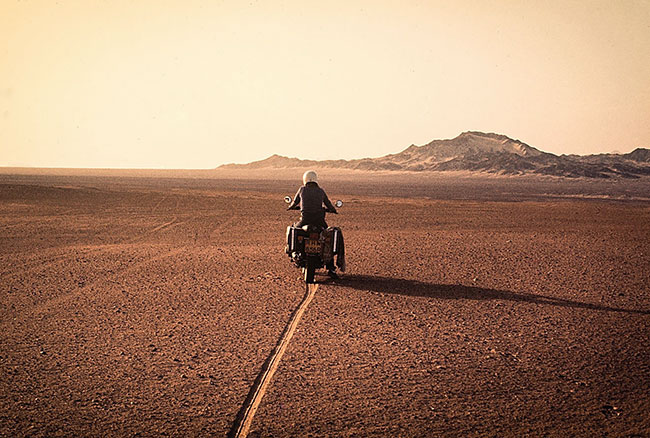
[(148, 309)]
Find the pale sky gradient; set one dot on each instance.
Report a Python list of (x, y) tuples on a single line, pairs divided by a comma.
[(192, 84)]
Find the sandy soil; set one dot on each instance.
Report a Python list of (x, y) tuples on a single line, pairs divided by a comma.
[(147, 306)]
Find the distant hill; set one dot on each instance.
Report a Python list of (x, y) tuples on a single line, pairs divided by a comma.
[(482, 152)]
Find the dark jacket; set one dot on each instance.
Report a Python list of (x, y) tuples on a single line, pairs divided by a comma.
[(311, 199)]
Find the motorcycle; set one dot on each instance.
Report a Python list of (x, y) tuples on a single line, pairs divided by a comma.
[(313, 247)]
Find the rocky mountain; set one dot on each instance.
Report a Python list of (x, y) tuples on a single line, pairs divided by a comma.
[(482, 152)]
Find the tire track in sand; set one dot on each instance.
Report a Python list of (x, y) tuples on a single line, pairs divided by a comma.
[(242, 424), (30, 266), (49, 303), (168, 224)]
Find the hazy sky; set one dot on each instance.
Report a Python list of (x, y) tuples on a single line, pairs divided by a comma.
[(191, 84)]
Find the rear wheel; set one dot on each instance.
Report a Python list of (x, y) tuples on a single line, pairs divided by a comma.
[(309, 269)]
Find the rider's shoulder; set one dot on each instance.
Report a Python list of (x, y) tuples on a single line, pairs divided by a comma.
[(311, 186)]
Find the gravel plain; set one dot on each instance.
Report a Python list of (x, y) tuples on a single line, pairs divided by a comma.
[(146, 306)]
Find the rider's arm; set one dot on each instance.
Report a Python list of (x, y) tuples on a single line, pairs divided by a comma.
[(295, 205), (328, 204)]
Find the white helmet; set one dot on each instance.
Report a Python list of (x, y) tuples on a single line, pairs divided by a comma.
[(309, 176)]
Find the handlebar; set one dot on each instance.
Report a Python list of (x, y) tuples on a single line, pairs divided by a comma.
[(338, 204)]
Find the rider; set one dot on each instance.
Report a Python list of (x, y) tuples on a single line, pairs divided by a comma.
[(310, 199)]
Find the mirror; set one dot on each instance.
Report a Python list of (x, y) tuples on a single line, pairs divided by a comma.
[(338, 204), (287, 199)]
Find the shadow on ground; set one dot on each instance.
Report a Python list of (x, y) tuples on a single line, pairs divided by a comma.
[(416, 288)]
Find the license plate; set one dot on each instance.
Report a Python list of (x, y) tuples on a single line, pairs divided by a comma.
[(312, 246)]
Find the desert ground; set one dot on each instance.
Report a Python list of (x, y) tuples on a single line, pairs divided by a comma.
[(145, 304)]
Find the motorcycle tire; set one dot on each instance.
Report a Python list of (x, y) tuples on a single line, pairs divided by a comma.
[(310, 270)]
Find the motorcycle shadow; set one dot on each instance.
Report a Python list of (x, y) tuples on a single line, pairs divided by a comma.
[(415, 288)]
